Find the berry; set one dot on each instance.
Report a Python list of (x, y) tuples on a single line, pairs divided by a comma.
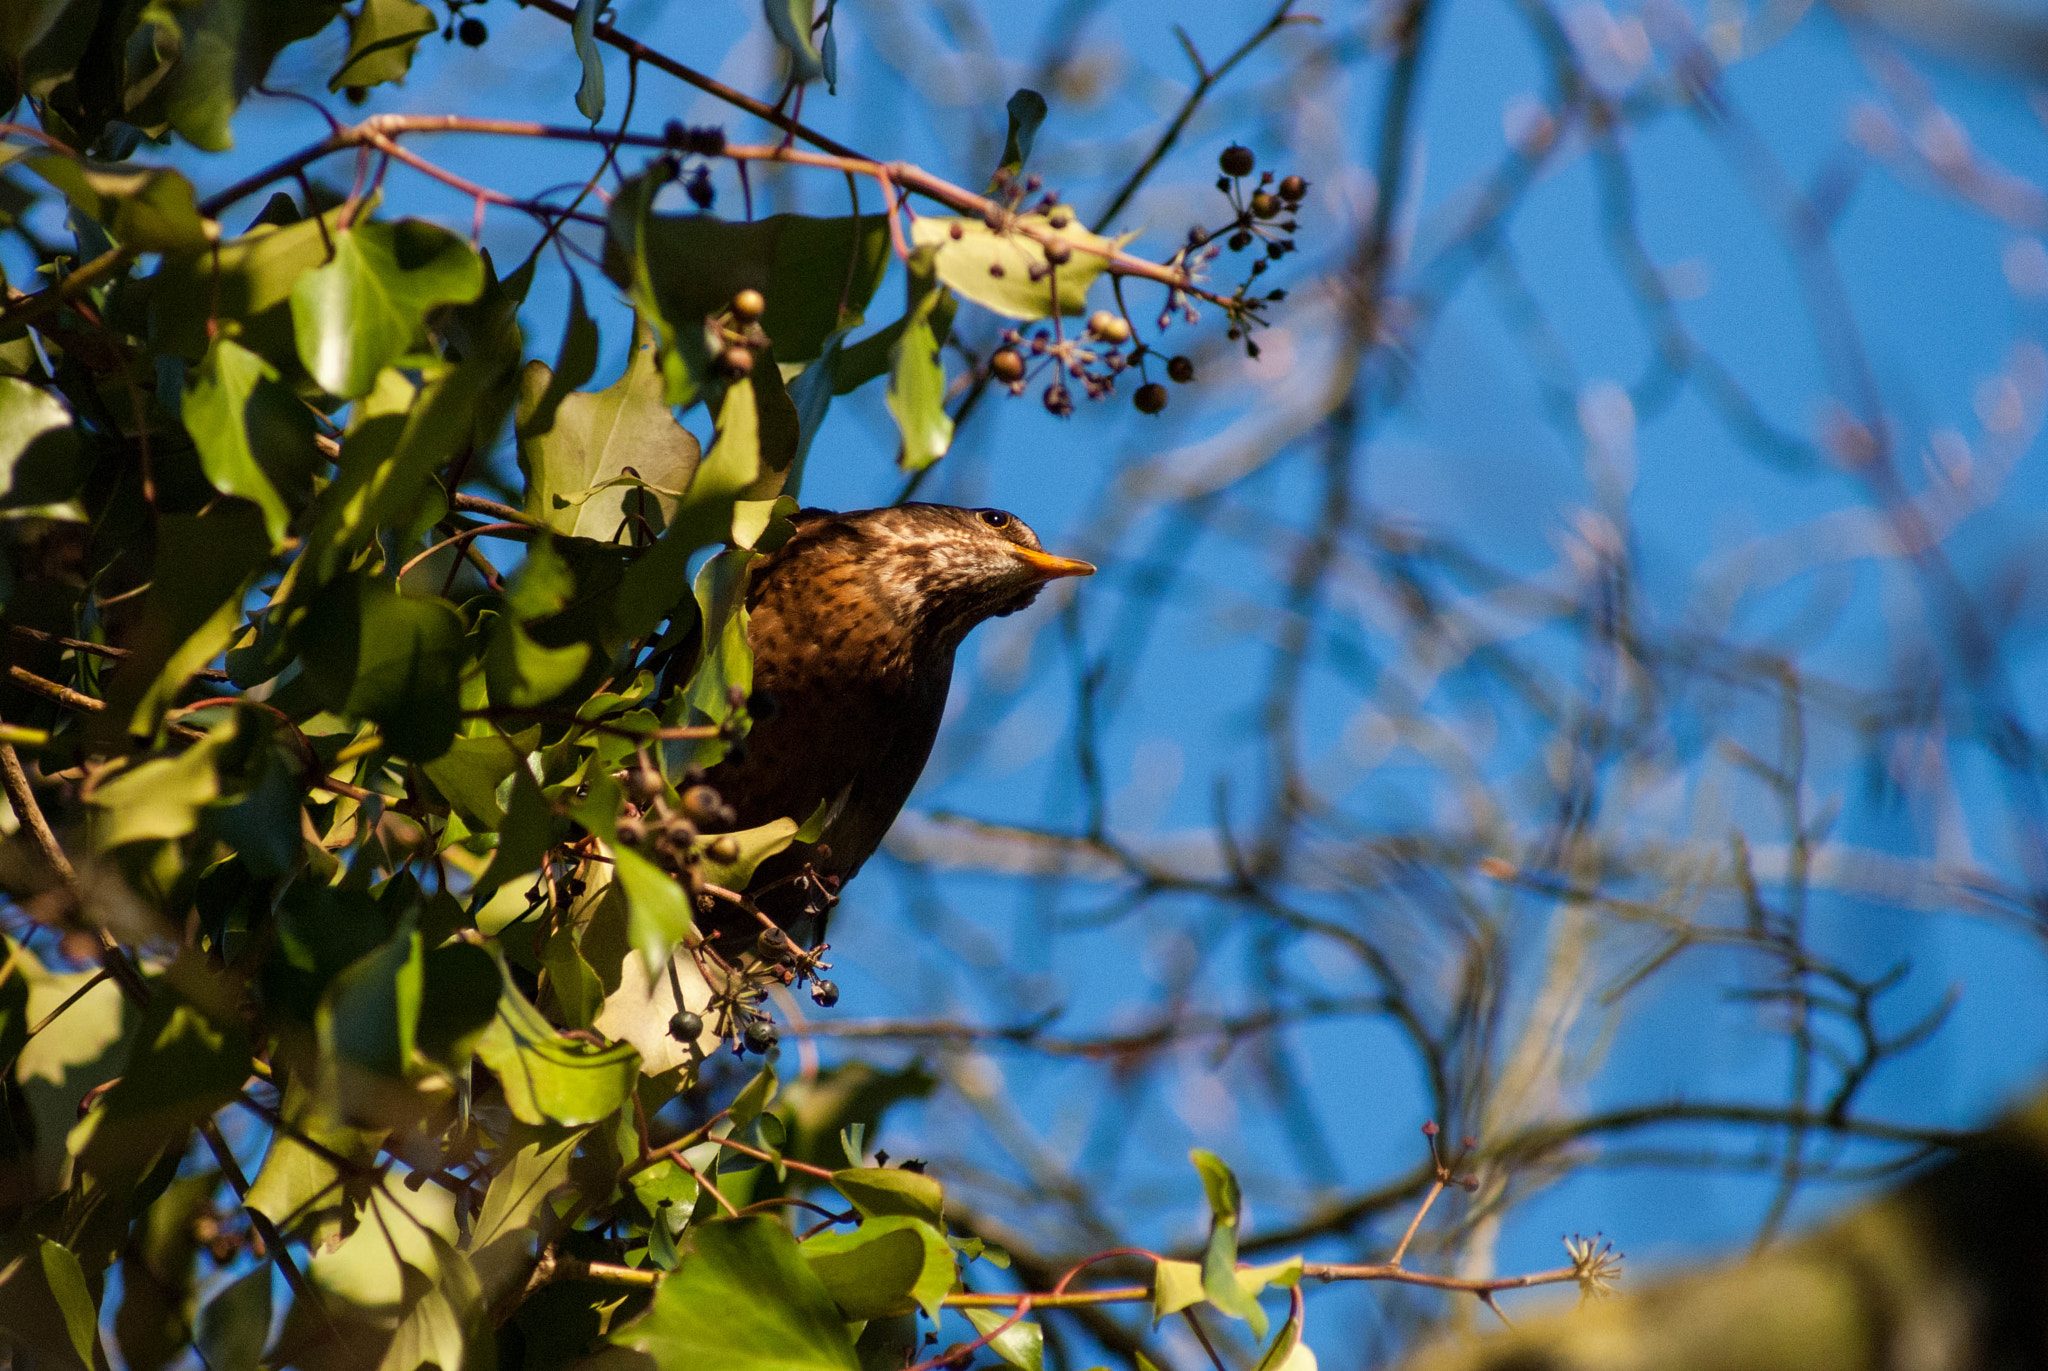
[(473, 33), (631, 832), (1265, 205), (761, 1036), (1180, 369), (1007, 365), (1236, 161), (1293, 189), (723, 849), (1240, 240), (356, 95), (1111, 328), (685, 1027), (749, 304), (738, 361), (1151, 398), (1058, 401), (1058, 253), (825, 993)]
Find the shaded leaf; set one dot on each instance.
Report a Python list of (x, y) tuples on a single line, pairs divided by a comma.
[(381, 39), (790, 22), (1027, 111), (186, 1063), (39, 456), (515, 1216), (151, 210), (590, 91), (393, 659), (917, 377), (235, 1324), (886, 1266), (549, 1079), (215, 408)]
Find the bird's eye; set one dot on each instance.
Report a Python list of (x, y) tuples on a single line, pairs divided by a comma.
[(995, 518)]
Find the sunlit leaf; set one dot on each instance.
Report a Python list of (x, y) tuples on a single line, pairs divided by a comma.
[(549, 1079), (515, 1214), (365, 308), (886, 1266), (187, 1062), (39, 457), (1022, 1344), (161, 797), (150, 210), (381, 39), (1219, 1259), (917, 377), (1006, 270), (742, 1300), (879, 1192)]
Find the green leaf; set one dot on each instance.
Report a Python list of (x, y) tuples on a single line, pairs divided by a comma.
[(523, 836), (658, 917), (1288, 1352), (186, 1064), (518, 670), (469, 773), (300, 1188), (393, 659), (790, 22), (994, 269), (742, 1300), (39, 457), (578, 992), (817, 276), (1027, 111), (162, 797), (225, 48), (1175, 1286), (879, 1192), (247, 280), (917, 377), (885, 1267), (577, 443), (144, 211), (550, 1079), (235, 1324), (367, 306), (369, 1017), (590, 92), (753, 1098), (216, 404), (516, 1216), (14, 1020), (381, 39), (66, 1281), (1022, 1344), (1219, 1260), (754, 846)]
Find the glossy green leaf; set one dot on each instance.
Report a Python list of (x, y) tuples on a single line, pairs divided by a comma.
[(366, 307), (518, 670), (995, 269), (884, 1267), (583, 32), (186, 1063), (224, 48), (742, 1300), (550, 1079), (1288, 1352), (39, 456), (879, 1192), (469, 773), (572, 446), (753, 846), (235, 1324), (1022, 1344), (1027, 111), (381, 39), (390, 658), (917, 378), (150, 210), (754, 1097), (216, 404), (515, 1215)]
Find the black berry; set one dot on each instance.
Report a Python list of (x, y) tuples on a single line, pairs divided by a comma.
[(1151, 398), (825, 993), (472, 32), (1236, 161), (685, 1027), (761, 1036), (1180, 370)]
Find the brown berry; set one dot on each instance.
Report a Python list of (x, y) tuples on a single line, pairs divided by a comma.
[(1110, 328), (1151, 398), (1236, 161), (749, 304), (1058, 401), (1007, 365), (1180, 370), (1265, 205), (723, 850), (1293, 189), (737, 361)]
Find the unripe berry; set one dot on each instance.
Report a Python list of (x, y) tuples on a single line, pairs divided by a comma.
[(1265, 205), (1111, 328), (1293, 189)]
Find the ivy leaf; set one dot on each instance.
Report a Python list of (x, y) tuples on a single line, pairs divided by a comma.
[(367, 306), (1027, 111), (884, 1267), (224, 48), (215, 410), (381, 39), (583, 31), (391, 658), (1022, 1344), (657, 908), (143, 211), (1175, 1286), (790, 21), (518, 670), (187, 1063), (917, 377), (1219, 1260), (742, 1300), (1289, 1352), (879, 1192), (162, 797), (995, 269), (235, 1324), (248, 280), (577, 442), (515, 1214), (39, 458), (550, 1079)]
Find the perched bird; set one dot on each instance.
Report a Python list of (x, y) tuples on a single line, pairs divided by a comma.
[(854, 622)]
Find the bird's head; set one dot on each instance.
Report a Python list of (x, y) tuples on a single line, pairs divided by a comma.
[(939, 570)]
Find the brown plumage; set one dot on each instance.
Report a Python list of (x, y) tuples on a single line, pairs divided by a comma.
[(854, 623)]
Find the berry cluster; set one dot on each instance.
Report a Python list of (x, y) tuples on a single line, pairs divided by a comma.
[(739, 333), (1094, 360), (1258, 220), (467, 27)]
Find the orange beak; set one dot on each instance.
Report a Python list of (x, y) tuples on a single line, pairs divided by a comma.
[(1050, 568)]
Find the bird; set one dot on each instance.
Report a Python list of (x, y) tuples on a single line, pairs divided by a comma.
[(854, 622)]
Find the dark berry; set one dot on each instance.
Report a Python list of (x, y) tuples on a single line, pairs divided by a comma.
[(1240, 240), (1058, 401), (825, 993), (473, 33), (1180, 370), (1007, 365), (1293, 189), (1151, 398), (685, 1027), (1265, 205), (1236, 161), (356, 95), (761, 1036)]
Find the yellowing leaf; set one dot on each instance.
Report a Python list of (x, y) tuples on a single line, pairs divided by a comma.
[(1007, 270)]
